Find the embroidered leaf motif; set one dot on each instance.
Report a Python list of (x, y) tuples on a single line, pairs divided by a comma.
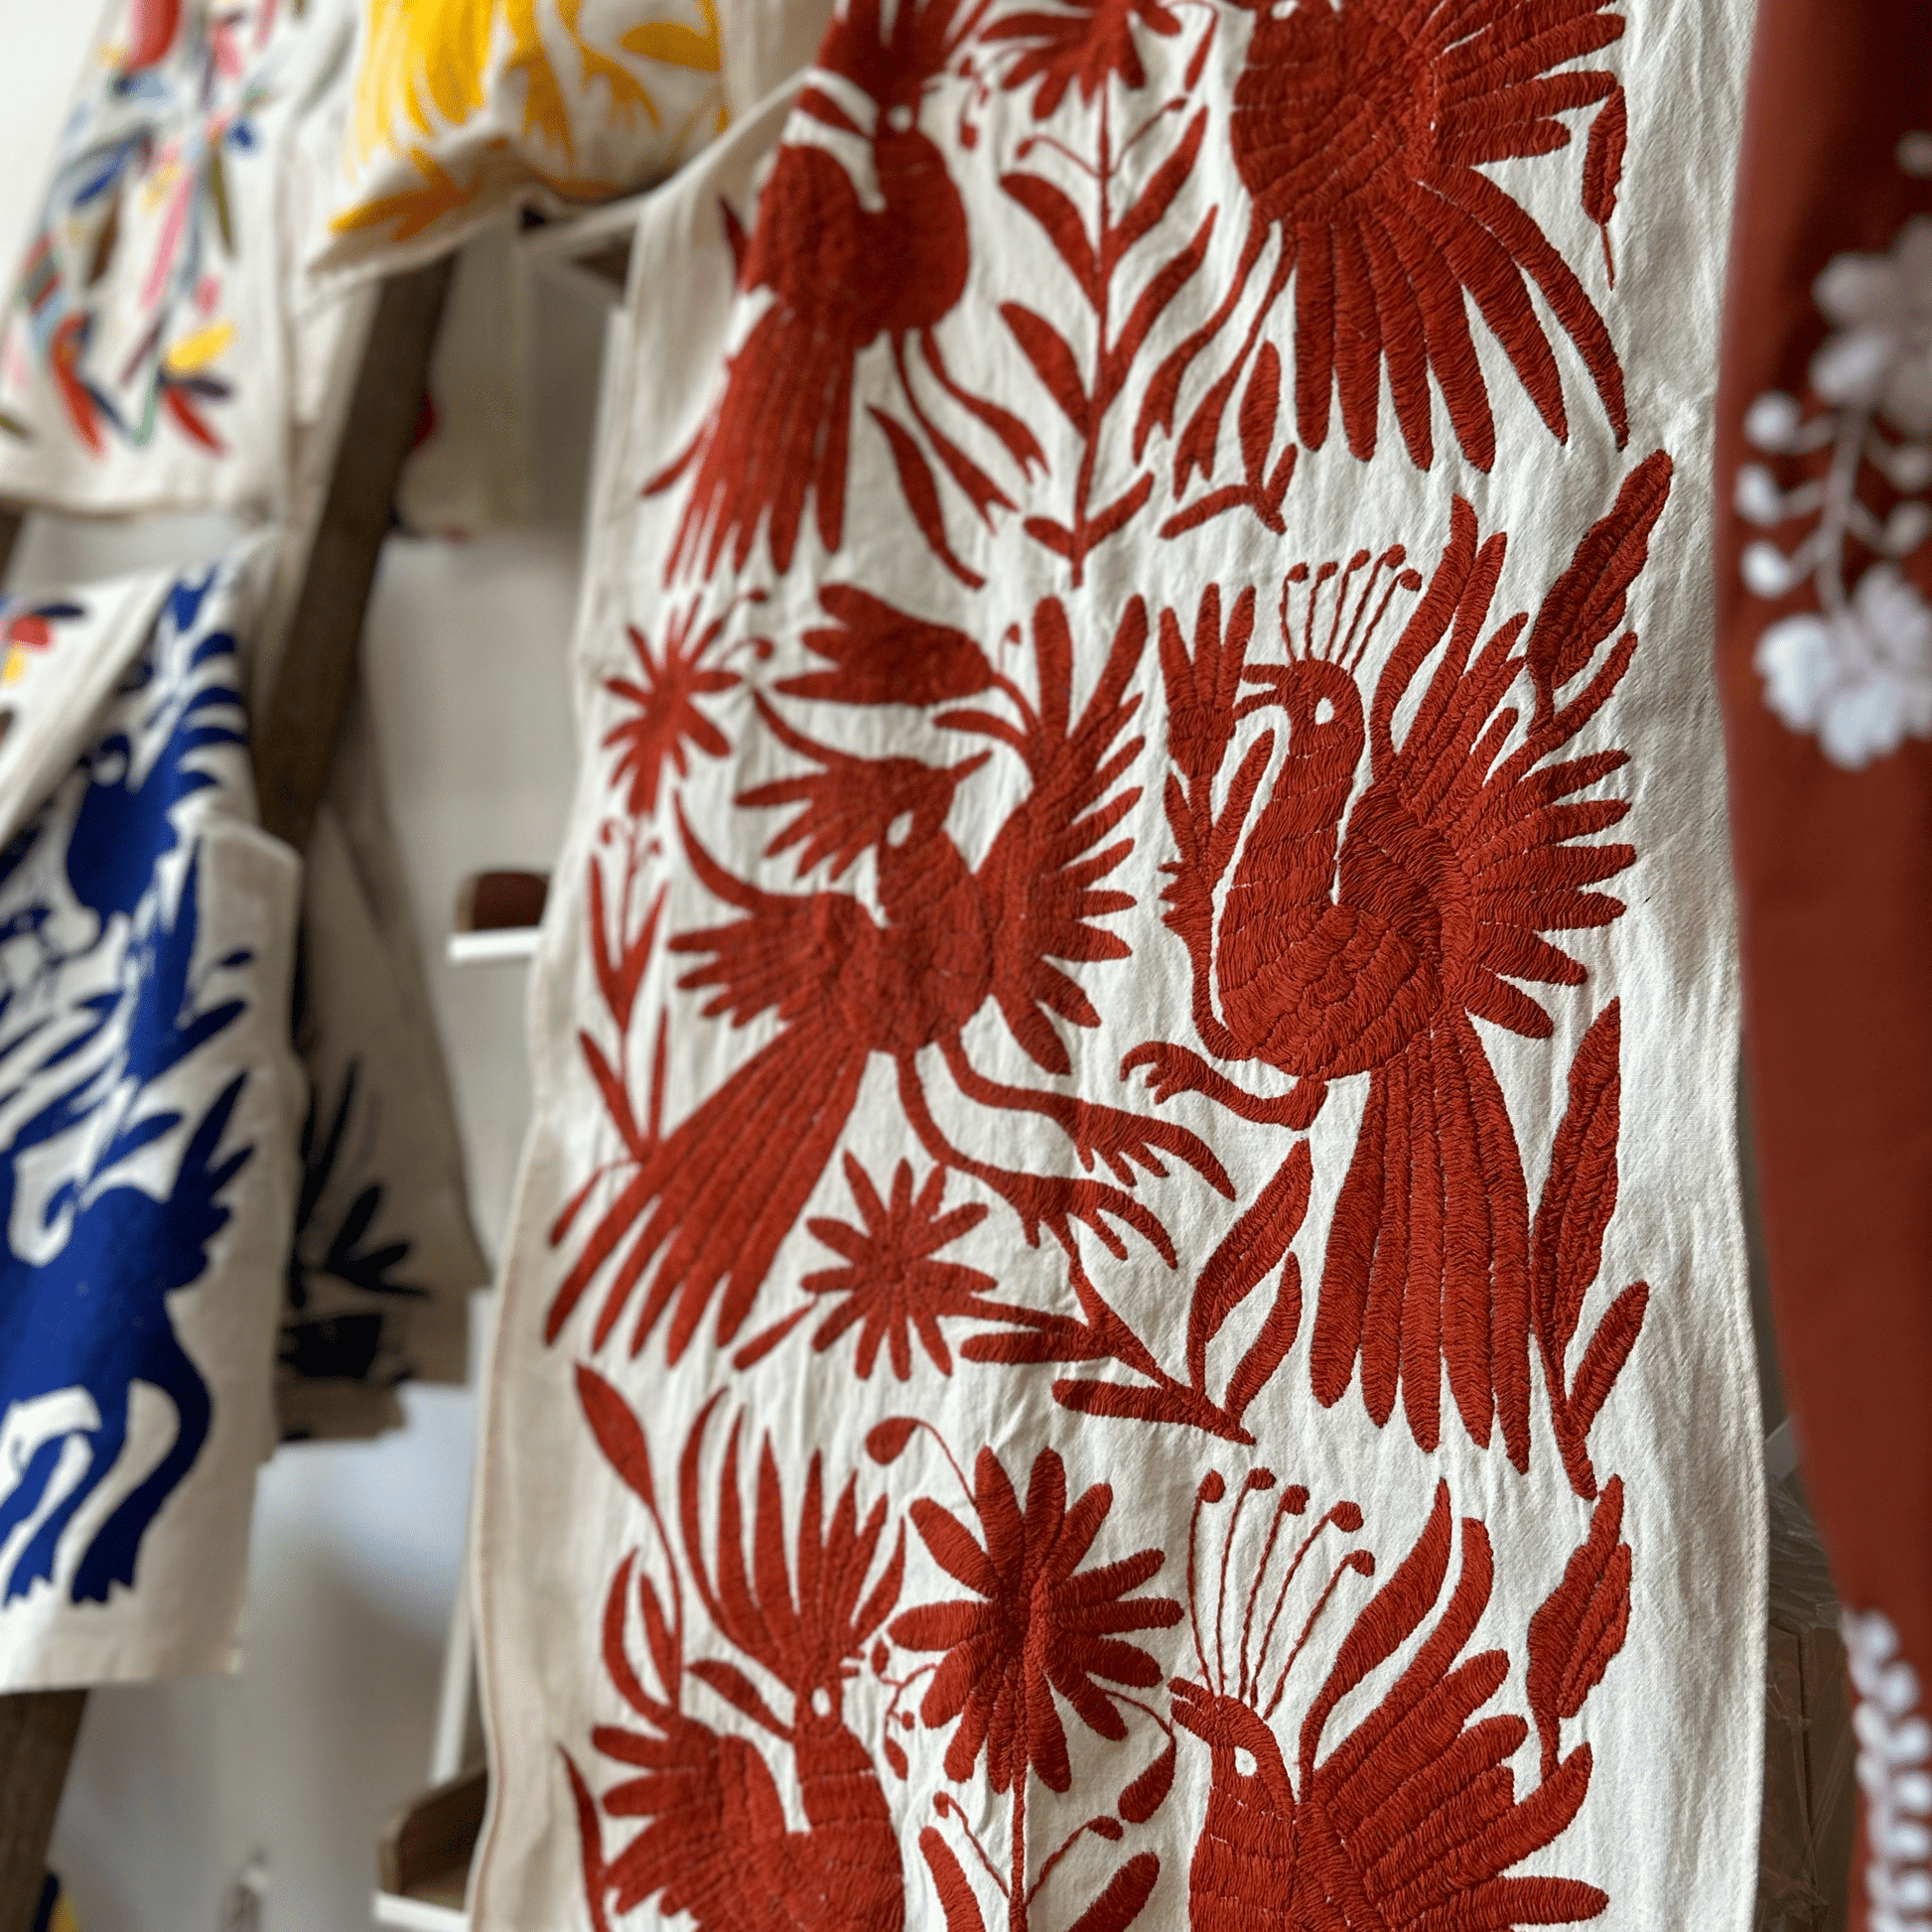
[(1058, 217), (1149, 1791), (1251, 1250), (1119, 1905), (617, 1433), (922, 494), (956, 1898), (880, 656), (1045, 348), (1603, 169), (1163, 185), (1567, 1248), (1581, 1625)]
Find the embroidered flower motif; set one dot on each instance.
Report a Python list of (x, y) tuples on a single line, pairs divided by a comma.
[(667, 716), (1085, 42), (1855, 668), (1860, 679), (1881, 358), (1894, 1749), (1041, 1624), (891, 1283)]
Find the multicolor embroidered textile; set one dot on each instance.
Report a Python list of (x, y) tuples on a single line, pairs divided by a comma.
[(1825, 660), (1126, 1306), (463, 107), (146, 356), (147, 1134)]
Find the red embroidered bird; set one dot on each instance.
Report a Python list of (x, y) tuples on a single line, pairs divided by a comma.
[(1373, 948), (718, 1195), (1361, 132), (717, 1842), (1410, 1820), (846, 253)]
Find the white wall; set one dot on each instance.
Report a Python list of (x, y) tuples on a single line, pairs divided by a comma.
[(301, 1757)]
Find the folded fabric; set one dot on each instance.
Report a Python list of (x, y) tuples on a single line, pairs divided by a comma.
[(147, 360), (1126, 1300), (148, 1127), (384, 1256), (461, 109), (1825, 661)]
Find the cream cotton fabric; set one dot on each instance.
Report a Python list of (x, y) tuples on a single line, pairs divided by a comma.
[(1127, 1303)]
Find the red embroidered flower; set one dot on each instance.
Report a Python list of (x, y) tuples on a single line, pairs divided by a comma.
[(667, 718), (1040, 1625), (891, 1282), (1085, 40)]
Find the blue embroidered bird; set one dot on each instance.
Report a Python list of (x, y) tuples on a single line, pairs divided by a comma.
[(128, 1252)]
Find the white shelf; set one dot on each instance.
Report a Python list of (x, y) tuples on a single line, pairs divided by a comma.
[(493, 948), (417, 1914)]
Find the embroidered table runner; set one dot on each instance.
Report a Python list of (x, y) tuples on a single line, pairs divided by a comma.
[(1825, 658), (1127, 1303), (147, 1134)]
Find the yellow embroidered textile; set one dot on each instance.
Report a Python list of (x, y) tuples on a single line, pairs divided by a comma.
[(459, 106)]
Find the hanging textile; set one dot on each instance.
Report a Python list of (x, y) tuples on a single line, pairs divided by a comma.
[(458, 112), (1825, 661), (1127, 1305), (146, 357), (148, 1124), (383, 1249), (164, 350)]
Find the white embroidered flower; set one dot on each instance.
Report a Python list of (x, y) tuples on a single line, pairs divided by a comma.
[(1862, 680), (1895, 1750), (1881, 358)]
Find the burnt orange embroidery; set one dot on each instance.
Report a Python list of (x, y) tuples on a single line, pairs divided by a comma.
[(1372, 947), (716, 1842), (1099, 254), (1581, 1625), (1080, 43), (1412, 1819), (710, 1202), (841, 275), (892, 1284), (1360, 133), (1037, 1631), (1609, 135), (1566, 1247), (667, 717)]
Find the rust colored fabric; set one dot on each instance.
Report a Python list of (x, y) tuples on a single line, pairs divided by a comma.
[(1824, 662)]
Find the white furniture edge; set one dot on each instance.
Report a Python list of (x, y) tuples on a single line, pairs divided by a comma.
[(495, 947), (403, 1914)]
